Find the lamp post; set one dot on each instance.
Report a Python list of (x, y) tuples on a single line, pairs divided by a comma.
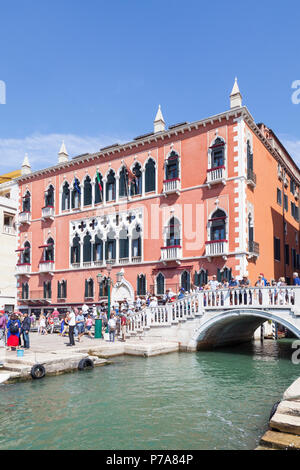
[(109, 268)]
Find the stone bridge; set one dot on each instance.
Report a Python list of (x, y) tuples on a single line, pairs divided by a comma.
[(213, 318)]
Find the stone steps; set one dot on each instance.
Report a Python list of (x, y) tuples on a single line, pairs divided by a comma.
[(279, 440), (286, 423)]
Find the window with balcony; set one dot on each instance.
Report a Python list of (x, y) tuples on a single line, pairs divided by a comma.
[(87, 248), (136, 243), (111, 187), (87, 192), (8, 224), (217, 153), (65, 200), (27, 202), (75, 250), (26, 254), (172, 166), (49, 197), (110, 246), (137, 182), (98, 188), (49, 250), (141, 285), (123, 244), (150, 176), (218, 226), (173, 237), (98, 250), (76, 195), (123, 183), (89, 289)]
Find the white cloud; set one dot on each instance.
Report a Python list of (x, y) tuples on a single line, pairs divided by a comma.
[(43, 149)]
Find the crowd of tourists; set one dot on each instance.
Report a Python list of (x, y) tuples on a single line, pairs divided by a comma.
[(77, 322)]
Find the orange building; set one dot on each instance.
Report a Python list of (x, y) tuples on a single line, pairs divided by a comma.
[(166, 210)]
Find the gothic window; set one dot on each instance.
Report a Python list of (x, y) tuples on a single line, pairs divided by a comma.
[(65, 200), (136, 242), (123, 183), (98, 249), (160, 284), (26, 253), (98, 189), (75, 250), (172, 166), (103, 288), (141, 285), (87, 196), (136, 183), (111, 187), (76, 194), (27, 202), (218, 226), (89, 289), (226, 273), (173, 233), (87, 248), (124, 244), (110, 246), (217, 153), (49, 197), (201, 278), (49, 250), (150, 176), (186, 281)]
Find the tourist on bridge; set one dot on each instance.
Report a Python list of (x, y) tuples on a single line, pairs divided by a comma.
[(72, 323), (296, 279), (13, 332), (25, 329), (213, 283), (112, 324)]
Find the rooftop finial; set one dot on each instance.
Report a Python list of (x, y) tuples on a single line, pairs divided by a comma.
[(159, 122), (235, 96), (63, 154), (26, 167)]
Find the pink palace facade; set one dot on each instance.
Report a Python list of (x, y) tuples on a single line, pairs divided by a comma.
[(166, 210)]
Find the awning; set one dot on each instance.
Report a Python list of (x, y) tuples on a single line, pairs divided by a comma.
[(20, 250), (46, 246)]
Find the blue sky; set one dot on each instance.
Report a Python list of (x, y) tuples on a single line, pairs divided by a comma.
[(93, 72)]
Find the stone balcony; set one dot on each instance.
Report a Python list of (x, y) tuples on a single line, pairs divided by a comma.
[(25, 218), (253, 249), (216, 248), (23, 269), (48, 213), (172, 186), (216, 175), (46, 267), (251, 178), (171, 253)]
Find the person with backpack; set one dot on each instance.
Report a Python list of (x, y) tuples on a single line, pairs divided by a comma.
[(13, 332), (26, 323)]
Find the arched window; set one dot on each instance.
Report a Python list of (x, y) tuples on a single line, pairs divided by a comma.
[(136, 242), (26, 253), (103, 288), (124, 244), (65, 199), (89, 289), (160, 284), (62, 289), (218, 226), (201, 278), (110, 246), (137, 182), (172, 166), (141, 285), (226, 273), (111, 187), (49, 250), (76, 194), (75, 250), (173, 233), (87, 248), (150, 183), (217, 153), (98, 188), (186, 281), (123, 183), (49, 197), (87, 196), (27, 202), (98, 249)]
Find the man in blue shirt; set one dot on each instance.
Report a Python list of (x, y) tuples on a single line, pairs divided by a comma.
[(296, 279), (233, 282)]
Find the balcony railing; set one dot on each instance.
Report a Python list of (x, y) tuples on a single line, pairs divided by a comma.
[(216, 175), (136, 259), (251, 177), (171, 253), (172, 186), (46, 266), (25, 217), (216, 248), (48, 212), (123, 260), (23, 268), (9, 229), (253, 248)]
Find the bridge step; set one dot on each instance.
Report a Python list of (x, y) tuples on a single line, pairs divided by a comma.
[(286, 423), (280, 440)]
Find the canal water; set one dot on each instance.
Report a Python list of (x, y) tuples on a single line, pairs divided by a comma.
[(207, 400)]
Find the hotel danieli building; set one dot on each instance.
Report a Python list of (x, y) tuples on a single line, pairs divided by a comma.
[(167, 210)]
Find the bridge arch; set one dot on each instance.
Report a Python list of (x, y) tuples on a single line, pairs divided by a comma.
[(236, 326)]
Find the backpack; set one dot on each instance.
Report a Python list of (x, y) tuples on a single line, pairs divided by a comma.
[(14, 328)]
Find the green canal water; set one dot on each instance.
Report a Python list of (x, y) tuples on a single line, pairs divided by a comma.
[(208, 400)]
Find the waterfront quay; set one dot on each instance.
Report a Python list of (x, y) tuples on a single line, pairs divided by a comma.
[(51, 352)]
